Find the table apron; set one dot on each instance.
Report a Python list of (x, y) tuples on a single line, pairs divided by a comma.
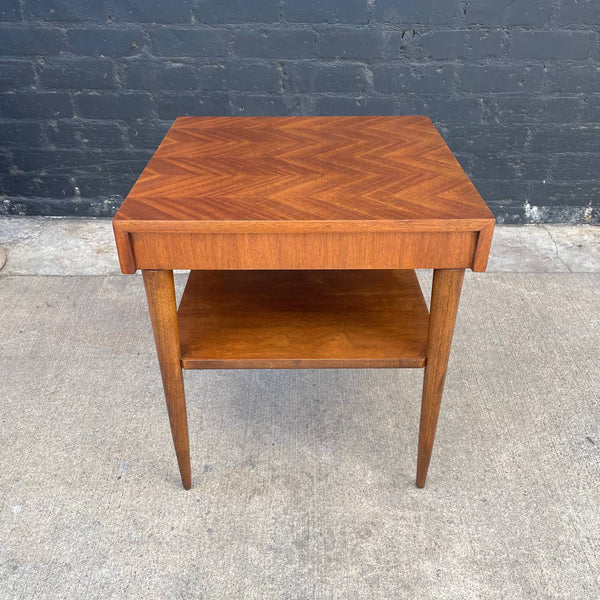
[(313, 250)]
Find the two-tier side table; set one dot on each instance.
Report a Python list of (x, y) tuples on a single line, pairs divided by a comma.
[(301, 235)]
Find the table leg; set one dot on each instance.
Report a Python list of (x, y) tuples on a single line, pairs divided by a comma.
[(445, 295), (160, 292)]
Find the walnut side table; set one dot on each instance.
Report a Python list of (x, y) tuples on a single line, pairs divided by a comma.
[(302, 235)]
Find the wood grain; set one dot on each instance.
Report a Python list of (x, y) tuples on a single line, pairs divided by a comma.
[(303, 168), (160, 292), (445, 296), (302, 319), (368, 250), (302, 174)]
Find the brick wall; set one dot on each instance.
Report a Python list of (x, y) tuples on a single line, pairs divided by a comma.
[(88, 88)]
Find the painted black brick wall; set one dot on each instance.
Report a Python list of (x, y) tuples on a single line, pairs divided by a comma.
[(89, 87)]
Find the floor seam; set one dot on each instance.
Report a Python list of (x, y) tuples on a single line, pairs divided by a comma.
[(556, 248)]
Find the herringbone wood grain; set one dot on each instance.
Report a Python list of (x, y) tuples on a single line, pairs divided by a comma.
[(317, 169), (235, 192)]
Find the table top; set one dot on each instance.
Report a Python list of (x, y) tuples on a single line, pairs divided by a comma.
[(269, 173)]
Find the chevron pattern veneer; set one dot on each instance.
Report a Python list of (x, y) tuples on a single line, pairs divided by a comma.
[(295, 168)]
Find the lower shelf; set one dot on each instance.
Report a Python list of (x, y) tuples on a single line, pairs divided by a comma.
[(302, 319)]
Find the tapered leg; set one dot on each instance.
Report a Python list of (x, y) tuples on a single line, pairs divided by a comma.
[(160, 291), (445, 296)]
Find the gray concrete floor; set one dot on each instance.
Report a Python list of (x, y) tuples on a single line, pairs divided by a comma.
[(303, 480)]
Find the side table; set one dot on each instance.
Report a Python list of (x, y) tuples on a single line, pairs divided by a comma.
[(301, 235)]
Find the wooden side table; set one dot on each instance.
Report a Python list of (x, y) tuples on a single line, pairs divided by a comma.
[(302, 235)]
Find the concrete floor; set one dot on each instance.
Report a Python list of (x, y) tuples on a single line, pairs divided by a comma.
[(303, 480)]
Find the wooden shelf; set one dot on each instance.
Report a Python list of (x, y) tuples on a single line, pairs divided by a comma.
[(302, 319)]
